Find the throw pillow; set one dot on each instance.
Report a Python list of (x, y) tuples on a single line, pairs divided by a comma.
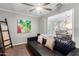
[(40, 38), (50, 43)]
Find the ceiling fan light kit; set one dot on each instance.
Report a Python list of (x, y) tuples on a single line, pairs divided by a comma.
[(39, 7)]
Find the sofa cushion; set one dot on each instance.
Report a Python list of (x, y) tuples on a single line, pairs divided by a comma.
[(64, 45), (74, 52), (42, 50)]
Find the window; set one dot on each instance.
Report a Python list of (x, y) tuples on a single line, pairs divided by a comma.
[(60, 23)]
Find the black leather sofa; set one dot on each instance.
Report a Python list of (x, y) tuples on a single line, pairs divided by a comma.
[(63, 47)]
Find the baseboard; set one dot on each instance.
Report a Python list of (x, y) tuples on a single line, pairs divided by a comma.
[(20, 43)]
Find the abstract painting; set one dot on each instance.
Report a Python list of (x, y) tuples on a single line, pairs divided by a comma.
[(24, 25)]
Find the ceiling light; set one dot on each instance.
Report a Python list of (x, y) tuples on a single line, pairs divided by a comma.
[(38, 8)]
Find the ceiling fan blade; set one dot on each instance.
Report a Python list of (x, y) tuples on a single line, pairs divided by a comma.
[(48, 9), (27, 4), (31, 10), (59, 5), (45, 4)]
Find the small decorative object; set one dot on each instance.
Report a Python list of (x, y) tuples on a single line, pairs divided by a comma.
[(24, 25)]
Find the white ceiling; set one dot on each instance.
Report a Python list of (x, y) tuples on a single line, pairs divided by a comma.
[(24, 9)]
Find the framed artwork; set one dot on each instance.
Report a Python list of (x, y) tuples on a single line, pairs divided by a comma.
[(24, 26)]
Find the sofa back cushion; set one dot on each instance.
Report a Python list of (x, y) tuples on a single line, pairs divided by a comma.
[(32, 38), (64, 45), (44, 41)]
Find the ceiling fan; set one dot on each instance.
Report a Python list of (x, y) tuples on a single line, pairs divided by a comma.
[(38, 7), (41, 6)]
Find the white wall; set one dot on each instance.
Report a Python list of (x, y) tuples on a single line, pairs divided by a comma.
[(75, 25), (19, 38)]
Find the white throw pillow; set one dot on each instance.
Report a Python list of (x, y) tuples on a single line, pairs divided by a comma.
[(50, 43), (40, 38)]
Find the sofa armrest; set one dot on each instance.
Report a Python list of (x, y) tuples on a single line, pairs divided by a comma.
[(32, 38), (74, 52)]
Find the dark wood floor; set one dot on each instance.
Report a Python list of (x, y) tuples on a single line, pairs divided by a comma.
[(19, 50)]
